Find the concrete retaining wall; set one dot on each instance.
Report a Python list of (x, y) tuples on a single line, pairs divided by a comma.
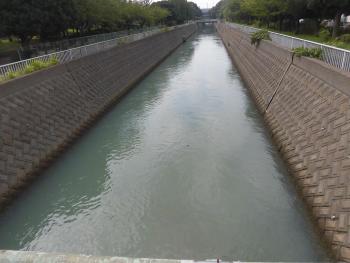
[(40, 114), (306, 104)]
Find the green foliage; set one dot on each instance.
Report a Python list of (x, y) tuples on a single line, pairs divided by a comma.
[(179, 11), (32, 67), (282, 13), (165, 29), (257, 36), (6, 45), (344, 38), (54, 19), (338, 43), (324, 34), (308, 52)]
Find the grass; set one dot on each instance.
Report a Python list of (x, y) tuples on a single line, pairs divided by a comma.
[(308, 52), (34, 66), (314, 38), (6, 45)]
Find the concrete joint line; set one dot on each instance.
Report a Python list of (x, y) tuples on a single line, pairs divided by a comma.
[(73, 77), (279, 84)]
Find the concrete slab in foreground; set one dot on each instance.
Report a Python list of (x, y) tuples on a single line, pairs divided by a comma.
[(8, 256)]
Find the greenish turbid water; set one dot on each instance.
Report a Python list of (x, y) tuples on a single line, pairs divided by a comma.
[(182, 167)]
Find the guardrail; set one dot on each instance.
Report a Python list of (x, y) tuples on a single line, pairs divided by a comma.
[(75, 53), (49, 47), (334, 56)]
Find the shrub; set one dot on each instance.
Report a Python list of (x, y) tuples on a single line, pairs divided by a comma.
[(308, 52), (257, 36), (324, 34), (122, 41), (165, 29)]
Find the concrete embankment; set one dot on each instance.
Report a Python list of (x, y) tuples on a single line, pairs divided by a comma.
[(306, 105), (42, 113)]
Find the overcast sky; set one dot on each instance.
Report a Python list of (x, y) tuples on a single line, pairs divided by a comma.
[(205, 3)]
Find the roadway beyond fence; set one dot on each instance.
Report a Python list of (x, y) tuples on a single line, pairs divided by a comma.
[(82, 51), (334, 56)]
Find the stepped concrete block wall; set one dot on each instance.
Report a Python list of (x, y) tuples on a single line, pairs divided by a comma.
[(306, 104), (40, 114)]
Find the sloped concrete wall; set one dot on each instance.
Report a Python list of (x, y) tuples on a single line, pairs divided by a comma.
[(42, 113), (306, 104)]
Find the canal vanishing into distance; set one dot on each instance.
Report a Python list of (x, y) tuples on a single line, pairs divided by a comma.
[(182, 167)]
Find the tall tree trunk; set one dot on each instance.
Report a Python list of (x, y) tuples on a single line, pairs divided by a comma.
[(297, 26), (280, 23), (336, 24)]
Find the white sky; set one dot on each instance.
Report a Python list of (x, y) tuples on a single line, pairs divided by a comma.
[(205, 3)]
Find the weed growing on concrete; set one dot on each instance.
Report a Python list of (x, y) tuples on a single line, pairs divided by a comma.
[(308, 52), (165, 29), (32, 67), (257, 36)]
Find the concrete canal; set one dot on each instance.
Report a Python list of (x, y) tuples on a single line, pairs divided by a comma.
[(182, 167)]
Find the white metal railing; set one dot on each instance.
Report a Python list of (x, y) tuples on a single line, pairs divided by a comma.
[(45, 48), (334, 56), (78, 52)]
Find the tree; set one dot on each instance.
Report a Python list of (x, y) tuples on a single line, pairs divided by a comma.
[(218, 10), (20, 18), (157, 14), (194, 11), (233, 10), (330, 9), (55, 17), (181, 10), (265, 10), (296, 9), (170, 19)]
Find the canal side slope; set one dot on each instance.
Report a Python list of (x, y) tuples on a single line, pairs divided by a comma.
[(41, 114), (306, 104)]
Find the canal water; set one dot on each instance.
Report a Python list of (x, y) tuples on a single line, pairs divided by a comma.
[(182, 167)]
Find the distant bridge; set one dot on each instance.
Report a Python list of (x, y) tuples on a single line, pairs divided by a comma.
[(207, 21)]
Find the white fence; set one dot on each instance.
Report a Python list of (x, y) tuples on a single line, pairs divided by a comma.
[(45, 48), (334, 56), (75, 53)]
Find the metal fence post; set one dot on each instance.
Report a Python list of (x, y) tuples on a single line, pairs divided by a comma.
[(343, 62)]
